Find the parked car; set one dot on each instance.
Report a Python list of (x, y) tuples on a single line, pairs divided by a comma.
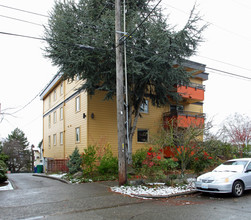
[(233, 176)]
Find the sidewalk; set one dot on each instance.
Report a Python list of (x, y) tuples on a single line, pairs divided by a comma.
[(157, 191)]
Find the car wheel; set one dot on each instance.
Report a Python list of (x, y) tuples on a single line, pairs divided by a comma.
[(238, 188)]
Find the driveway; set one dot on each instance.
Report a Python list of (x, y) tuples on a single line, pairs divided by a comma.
[(42, 198)]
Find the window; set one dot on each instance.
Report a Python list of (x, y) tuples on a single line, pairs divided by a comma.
[(55, 95), (54, 139), (54, 117), (49, 141), (144, 108), (77, 104), (61, 138), (49, 101), (62, 88), (49, 121), (77, 77), (61, 113), (142, 135), (176, 108), (77, 134)]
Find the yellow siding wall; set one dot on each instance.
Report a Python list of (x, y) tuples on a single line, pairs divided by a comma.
[(70, 121), (103, 128), (52, 109), (152, 121), (75, 120), (100, 130)]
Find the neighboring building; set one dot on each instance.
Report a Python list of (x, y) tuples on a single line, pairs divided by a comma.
[(76, 119), (36, 153)]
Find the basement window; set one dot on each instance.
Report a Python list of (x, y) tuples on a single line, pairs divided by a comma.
[(142, 135)]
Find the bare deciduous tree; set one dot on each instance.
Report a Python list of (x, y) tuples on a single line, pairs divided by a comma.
[(237, 130)]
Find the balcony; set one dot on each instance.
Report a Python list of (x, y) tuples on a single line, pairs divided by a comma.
[(183, 119), (191, 93)]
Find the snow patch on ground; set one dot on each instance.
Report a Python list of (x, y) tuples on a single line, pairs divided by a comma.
[(7, 187), (154, 189), (57, 175)]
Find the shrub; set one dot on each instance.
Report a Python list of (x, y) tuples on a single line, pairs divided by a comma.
[(74, 164), (151, 163), (201, 162), (138, 157), (108, 164), (89, 160), (3, 169)]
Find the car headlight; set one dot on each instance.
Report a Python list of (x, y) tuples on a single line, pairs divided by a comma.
[(222, 180)]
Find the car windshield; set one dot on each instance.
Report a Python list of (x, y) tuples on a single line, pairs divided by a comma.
[(231, 166)]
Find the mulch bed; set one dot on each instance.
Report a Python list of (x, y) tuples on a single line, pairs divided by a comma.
[(4, 184)]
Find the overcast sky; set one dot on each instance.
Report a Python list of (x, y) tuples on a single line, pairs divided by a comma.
[(25, 72)]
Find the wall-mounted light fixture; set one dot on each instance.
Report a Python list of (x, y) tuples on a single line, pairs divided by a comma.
[(92, 115), (84, 115)]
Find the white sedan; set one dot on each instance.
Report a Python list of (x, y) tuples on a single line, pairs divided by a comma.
[(233, 176)]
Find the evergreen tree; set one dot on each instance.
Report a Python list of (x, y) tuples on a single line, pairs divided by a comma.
[(16, 148), (74, 164), (81, 41)]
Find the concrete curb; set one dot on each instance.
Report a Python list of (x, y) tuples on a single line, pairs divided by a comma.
[(166, 196), (51, 177)]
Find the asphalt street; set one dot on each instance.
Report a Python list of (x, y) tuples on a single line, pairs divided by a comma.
[(43, 198)]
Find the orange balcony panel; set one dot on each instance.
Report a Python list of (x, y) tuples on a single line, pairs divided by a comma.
[(184, 119), (192, 93)]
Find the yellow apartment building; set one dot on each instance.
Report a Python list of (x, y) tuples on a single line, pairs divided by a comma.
[(73, 118)]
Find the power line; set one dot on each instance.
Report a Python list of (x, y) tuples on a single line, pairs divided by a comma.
[(81, 46), (30, 12), (219, 61), (92, 48), (229, 73), (24, 36), (17, 19)]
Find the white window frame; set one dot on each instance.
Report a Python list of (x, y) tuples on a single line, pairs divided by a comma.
[(144, 108), (77, 134), (61, 138), (49, 101), (77, 104), (55, 117), (62, 88), (55, 95), (54, 139), (49, 121), (61, 113)]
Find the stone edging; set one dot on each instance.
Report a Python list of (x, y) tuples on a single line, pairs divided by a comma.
[(51, 177), (166, 196)]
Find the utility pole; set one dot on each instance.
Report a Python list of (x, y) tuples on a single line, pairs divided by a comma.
[(120, 98)]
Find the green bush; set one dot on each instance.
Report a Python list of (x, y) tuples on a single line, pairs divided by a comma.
[(74, 164), (108, 163), (138, 157), (201, 162), (168, 164), (89, 158), (3, 169)]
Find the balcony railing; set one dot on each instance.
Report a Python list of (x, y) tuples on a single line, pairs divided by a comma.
[(184, 113), (195, 85), (183, 118)]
